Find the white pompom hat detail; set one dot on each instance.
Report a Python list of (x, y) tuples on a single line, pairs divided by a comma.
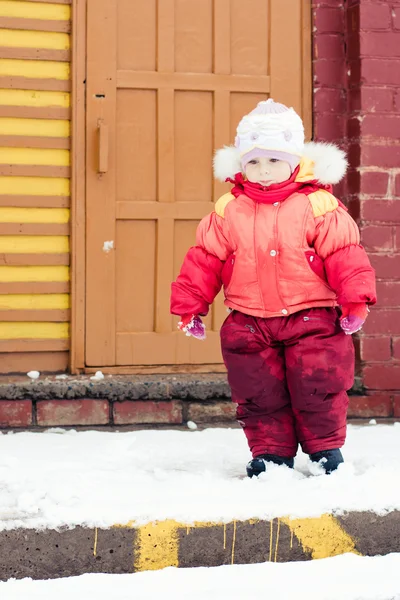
[(275, 131)]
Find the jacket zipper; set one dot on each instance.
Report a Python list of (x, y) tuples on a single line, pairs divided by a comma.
[(277, 254)]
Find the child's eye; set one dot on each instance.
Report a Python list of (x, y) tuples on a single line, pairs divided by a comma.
[(253, 162), (274, 160)]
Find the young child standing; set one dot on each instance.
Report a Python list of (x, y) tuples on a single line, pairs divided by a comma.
[(288, 255)]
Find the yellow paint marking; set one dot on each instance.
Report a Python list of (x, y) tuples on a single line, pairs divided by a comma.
[(36, 127), (271, 535), (35, 186), (33, 215), (277, 540), (322, 536), (43, 331), (31, 274), (35, 10), (20, 38), (34, 98), (34, 301), (37, 244), (156, 546), (34, 156), (187, 530), (233, 543), (95, 542), (43, 69)]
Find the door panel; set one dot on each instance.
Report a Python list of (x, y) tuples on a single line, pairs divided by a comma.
[(167, 83)]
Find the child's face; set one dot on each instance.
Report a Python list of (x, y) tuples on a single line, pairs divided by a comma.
[(267, 171)]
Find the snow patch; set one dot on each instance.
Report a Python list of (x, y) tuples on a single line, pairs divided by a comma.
[(33, 375), (98, 478), (107, 246), (98, 376), (345, 577)]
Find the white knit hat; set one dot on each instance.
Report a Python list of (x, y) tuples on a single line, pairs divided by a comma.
[(271, 130)]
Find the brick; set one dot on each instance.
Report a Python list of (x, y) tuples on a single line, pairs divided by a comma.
[(380, 71), (396, 18), (209, 412), (353, 181), (397, 237), (383, 321), (329, 45), (387, 267), (375, 16), (380, 155), (374, 183), (15, 413), (329, 127), (354, 154), (396, 406), (385, 211), (354, 128), (387, 126), (331, 100), (330, 73), (396, 348), (354, 100), (329, 19), (375, 349), (353, 204), (377, 237), (376, 99), (385, 44), (352, 16), (330, 3), (374, 405), (397, 186), (72, 412), (132, 412), (382, 377), (353, 69), (388, 293)]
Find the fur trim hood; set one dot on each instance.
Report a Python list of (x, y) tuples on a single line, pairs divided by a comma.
[(329, 162)]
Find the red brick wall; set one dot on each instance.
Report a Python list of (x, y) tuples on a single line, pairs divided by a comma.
[(357, 105)]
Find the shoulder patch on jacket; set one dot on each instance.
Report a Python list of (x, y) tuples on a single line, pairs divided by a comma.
[(322, 202), (222, 203)]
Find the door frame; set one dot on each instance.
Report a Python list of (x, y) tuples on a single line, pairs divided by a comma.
[(78, 182)]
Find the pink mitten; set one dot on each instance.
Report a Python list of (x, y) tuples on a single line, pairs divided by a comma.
[(193, 325), (353, 317)]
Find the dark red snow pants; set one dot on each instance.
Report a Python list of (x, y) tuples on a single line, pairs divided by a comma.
[(289, 377)]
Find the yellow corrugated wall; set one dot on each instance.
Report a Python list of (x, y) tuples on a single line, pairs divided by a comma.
[(34, 184)]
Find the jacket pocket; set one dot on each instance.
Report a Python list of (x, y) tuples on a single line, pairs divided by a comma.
[(316, 265), (227, 271)]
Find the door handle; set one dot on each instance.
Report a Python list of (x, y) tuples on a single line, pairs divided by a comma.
[(103, 146)]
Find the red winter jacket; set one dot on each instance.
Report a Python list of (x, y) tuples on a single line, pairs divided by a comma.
[(276, 258)]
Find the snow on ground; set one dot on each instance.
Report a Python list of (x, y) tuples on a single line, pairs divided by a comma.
[(345, 577), (100, 479)]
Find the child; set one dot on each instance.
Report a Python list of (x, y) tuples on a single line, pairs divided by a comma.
[(288, 254)]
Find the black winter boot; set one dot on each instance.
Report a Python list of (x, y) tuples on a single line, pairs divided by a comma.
[(259, 463), (331, 459)]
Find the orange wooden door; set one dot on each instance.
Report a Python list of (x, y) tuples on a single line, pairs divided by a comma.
[(167, 82)]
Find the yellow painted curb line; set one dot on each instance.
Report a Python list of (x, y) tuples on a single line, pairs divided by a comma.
[(157, 544), (323, 536)]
